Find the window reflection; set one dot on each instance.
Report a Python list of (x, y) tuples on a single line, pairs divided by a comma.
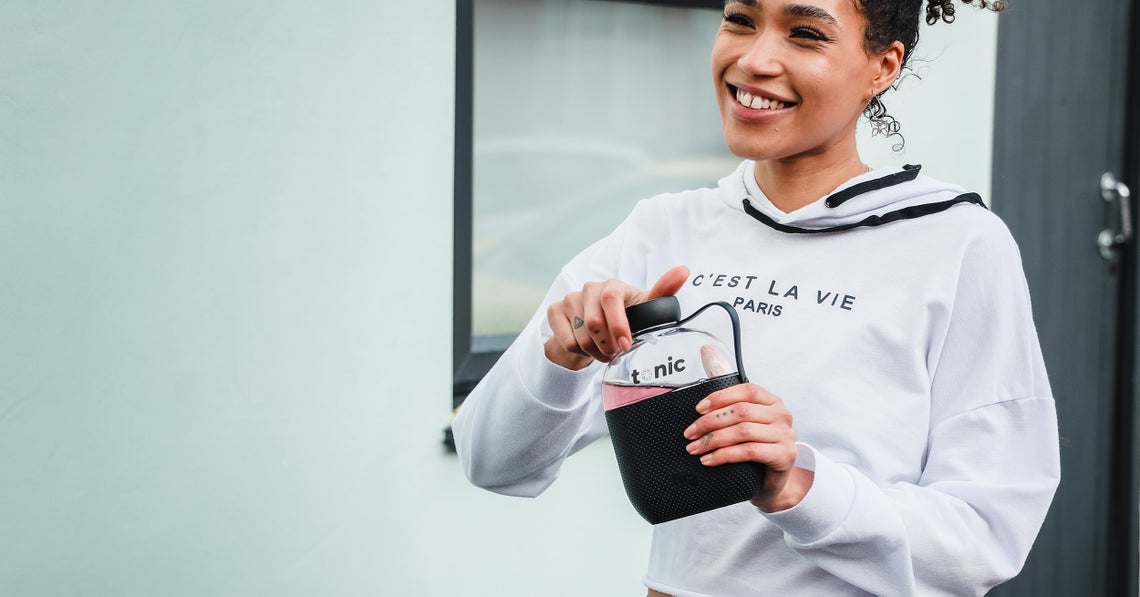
[(581, 108)]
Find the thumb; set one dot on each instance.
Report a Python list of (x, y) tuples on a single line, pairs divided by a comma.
[(669, 283)]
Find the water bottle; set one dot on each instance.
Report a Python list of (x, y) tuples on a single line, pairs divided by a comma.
[(650, 393)]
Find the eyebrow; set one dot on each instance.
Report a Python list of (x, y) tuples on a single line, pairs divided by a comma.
[(796, 10), (814, 12)]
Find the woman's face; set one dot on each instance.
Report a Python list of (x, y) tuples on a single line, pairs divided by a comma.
[(792, 76)]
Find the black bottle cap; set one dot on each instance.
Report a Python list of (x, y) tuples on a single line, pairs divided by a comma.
[(653, 313)]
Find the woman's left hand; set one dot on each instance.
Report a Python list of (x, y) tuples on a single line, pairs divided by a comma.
[(748, 423)]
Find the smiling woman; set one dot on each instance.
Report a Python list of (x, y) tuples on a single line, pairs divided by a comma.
[(923, 454)]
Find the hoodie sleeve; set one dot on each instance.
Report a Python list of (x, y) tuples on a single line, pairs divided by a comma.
[(992, 456), (524, 418)]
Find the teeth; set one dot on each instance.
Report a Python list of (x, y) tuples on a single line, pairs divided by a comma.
[(756, 102)]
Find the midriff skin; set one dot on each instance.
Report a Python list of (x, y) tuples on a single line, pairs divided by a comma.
[(653, 593)]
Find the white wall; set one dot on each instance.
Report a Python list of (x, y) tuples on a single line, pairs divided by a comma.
[(945, 104), (225, 281), (220, 223)]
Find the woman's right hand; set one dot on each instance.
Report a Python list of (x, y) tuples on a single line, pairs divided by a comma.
[(590, 324)]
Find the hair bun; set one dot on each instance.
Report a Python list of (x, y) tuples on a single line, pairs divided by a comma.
[(944, 9), (939, 10)]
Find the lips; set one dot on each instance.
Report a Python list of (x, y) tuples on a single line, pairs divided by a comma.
[(757, 101)]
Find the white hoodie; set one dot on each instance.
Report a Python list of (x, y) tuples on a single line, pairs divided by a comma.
[(893, 319)]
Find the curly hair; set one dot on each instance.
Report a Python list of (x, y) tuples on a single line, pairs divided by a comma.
[(898, 20)]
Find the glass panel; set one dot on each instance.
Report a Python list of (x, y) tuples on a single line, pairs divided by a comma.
[(581, 109)]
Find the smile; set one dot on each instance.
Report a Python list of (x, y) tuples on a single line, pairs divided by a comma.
[(757, 102)]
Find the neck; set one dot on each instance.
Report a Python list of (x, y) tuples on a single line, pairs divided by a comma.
[(791, 183)]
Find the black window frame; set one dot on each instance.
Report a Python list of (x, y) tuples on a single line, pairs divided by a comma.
[(472, 360)]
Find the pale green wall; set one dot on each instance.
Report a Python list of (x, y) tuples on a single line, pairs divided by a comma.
[(224, 274), (945, 104)]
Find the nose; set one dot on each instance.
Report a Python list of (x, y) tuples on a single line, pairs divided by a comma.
[(762, 55)]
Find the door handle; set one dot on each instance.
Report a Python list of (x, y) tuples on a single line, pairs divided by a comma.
[(1111, 189)]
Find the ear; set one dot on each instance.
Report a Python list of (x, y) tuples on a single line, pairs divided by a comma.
[(887, 67)]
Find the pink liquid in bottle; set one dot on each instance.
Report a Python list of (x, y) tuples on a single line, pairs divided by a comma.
[(615, 396)]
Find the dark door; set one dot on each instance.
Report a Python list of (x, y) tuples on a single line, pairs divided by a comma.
[(1061, 119)]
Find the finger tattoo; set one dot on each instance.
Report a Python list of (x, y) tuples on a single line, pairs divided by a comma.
[(706, 439), (578, 322)]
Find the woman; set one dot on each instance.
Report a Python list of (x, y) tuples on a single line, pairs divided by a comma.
[(886, 310)]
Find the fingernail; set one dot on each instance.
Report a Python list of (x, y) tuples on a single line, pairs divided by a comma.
[(625, 343), (691, 432), (703, 405), (691, 448), (706, 458)]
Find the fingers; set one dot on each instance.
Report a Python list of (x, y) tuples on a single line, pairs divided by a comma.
[(743, 415), (616, 296), (586, 324), (592, 323), (593, 330), (777, 456), (561, 316), (773, 445), (613, 300), (669, 283), (743, 423), (746, 423), (713, 362), (746, 432), (747, 392), (567, 320)]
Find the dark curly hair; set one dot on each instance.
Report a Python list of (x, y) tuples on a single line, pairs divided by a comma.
[(891, 20)]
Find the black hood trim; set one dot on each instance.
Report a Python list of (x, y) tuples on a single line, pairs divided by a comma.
[(906, 213), (908, 173)]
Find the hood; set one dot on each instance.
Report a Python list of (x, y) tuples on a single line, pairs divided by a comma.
[(878, 197)]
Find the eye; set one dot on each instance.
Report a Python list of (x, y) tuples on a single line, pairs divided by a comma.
[(738, 19), (807, 32)]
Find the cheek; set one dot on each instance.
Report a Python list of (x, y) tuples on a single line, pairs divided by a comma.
[(720, 56), (827, 81), (848, 71), (842, 89)]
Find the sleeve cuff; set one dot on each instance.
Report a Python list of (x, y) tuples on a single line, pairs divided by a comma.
[(553, 385), (825, 506)]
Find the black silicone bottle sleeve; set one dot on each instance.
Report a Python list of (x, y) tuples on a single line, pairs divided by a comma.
[(662, 480)]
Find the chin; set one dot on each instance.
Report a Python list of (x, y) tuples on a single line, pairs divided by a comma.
[(768, 145), (757, 149)]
